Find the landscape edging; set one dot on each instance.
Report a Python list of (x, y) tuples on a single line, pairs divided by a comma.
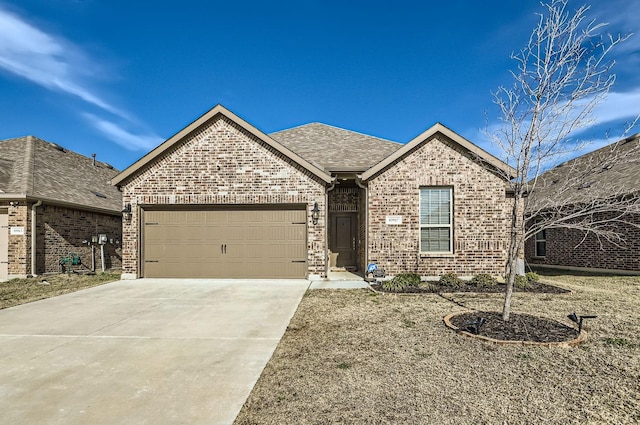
[(582, 337)]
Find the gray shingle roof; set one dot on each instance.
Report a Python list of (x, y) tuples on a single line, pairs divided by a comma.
[(34, 168), (611, 171), (335, 149)]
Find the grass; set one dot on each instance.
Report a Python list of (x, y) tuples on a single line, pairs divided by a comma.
[(405, 366), (20, 291)]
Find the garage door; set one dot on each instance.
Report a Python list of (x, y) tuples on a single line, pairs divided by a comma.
[(229, 243)]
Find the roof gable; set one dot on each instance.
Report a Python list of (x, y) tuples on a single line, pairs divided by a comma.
[(43, 170), (482, 155), (336, 149), (177, 138)]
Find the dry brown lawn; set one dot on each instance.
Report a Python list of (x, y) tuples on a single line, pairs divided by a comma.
[(21, 291), (355, 357)]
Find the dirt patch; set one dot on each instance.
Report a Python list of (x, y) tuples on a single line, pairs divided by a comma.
[(520, 327), (20, 291), (359, 357)]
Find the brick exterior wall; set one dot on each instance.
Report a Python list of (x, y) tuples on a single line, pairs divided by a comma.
[(222, 164), (480, 210), (564, 249), (60, 230), (19, 245)]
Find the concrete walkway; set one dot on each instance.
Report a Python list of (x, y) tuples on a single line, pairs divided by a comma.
[(149, 351)]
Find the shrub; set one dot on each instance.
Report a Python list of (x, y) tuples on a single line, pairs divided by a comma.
[(532, 276), (521, 282), (483, 280), (400, 282), (450, 279)]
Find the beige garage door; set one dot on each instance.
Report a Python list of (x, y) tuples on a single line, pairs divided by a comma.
[(4, 245), (229, 243)]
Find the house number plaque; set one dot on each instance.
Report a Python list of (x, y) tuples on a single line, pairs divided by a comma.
[(394, 219)]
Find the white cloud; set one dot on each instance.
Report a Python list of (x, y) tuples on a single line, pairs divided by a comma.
[(124, 137), (47, 60), (58, 65), (618, 106)]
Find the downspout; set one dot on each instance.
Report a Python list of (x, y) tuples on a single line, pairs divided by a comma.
[(33, 236)]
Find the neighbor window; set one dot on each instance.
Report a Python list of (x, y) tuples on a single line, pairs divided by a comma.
[(436, 227), (541, 243)]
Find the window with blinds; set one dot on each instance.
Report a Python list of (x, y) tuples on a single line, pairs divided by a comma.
[(436, 220)]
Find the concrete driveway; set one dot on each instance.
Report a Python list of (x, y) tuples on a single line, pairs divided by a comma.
[(149, 351)]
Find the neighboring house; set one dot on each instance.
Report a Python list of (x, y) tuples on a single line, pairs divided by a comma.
[(223, 199), (52, 201), (591, 179)]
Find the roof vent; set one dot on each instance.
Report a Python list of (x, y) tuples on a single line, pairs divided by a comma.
[(56, 146), (109, 166), (585, 185), (99, 195), (607, 166)]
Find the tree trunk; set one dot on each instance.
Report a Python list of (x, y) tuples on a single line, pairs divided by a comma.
[(512, 255)]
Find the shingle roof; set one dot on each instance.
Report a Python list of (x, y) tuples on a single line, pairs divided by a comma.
[(611, 171), (335, 149), (34, 168)]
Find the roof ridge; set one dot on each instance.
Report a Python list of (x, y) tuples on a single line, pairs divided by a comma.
[(339, 128), (29, 161)]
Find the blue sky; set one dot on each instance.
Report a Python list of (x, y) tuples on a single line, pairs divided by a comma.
[(117, 78)]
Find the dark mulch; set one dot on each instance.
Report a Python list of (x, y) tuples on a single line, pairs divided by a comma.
[(520, 327), (436, 288)]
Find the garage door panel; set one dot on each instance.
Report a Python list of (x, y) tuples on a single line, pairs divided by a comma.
[(233, 243)]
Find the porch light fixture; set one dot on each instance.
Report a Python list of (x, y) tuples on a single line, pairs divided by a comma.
[(126, 212), (315, 213)]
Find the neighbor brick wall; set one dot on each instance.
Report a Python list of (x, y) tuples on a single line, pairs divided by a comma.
[(19, 245), (222, 164), (62, 230), (480, 213), (566, 247)]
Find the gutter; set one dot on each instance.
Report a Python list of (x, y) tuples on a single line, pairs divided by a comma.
[(33, 236)]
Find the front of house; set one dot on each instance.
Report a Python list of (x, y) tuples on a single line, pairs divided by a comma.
[(221, 199)]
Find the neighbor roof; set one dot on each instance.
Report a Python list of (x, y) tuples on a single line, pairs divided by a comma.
[(613, 170), (36, 169), (336, 149)]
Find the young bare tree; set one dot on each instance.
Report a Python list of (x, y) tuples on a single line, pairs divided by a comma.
[(562, 74)]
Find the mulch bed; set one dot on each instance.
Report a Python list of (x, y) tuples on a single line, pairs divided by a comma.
[(520, 327), (436, 288)]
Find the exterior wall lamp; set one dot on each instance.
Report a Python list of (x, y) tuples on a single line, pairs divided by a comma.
[(315, 213), (126, 212)]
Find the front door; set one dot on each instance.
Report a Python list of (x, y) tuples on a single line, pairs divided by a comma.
[(344, 235), (4, 245)]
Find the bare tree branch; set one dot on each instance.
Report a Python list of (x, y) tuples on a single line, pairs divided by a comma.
[(562, 74)]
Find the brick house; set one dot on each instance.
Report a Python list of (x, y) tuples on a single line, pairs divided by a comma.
[(591, 179), (52, 201), (223, 199)]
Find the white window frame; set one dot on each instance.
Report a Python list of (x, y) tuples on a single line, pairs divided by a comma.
[(436, 226), (541, 237)]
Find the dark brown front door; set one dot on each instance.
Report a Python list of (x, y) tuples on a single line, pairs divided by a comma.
[(344, 232)]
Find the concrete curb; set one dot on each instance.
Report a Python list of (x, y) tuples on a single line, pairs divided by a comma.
[(582, 337)]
